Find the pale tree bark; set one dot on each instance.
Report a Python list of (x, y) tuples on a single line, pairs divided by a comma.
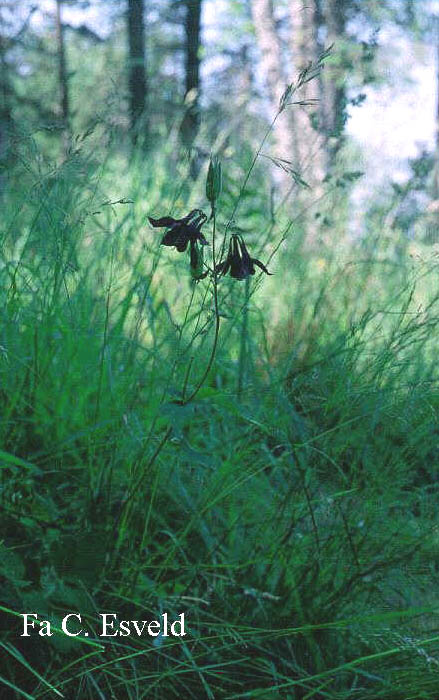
[(304, 51), (436, 153), (6, 122), (246, 75), (334, 89), (271, 64), (432, 219), (10, 37)]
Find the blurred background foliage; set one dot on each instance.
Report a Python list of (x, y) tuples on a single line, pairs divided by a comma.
[(212, 73)]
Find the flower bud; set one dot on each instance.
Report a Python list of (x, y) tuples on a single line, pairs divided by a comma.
[(214, 180)]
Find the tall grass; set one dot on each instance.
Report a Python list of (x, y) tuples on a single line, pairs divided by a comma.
[(289, 509)]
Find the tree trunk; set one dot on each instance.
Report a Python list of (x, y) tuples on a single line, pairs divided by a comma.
[(304, 50), (271, 64), (436, 153), (191, 119), (432, 218), (137, 66), (62, 76), (334, 81), (6, 123)]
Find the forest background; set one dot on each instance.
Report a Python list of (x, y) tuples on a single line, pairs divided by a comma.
[(181, 431)]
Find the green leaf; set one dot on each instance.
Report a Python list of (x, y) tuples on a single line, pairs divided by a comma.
[(11, 566), (8, 460)]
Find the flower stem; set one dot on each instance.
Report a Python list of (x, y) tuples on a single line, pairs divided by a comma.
[(217, 317), (244, 339)]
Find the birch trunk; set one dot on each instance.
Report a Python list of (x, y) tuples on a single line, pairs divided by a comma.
[(271, 64), (304, 50), (334, 83)]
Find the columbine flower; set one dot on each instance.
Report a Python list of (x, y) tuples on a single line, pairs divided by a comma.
[(238, 260), (182, 231)]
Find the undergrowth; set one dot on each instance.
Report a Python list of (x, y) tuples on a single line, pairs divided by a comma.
[(288, 508)]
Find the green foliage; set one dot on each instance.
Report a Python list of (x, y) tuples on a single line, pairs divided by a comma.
[(260, 455), (294, 526)]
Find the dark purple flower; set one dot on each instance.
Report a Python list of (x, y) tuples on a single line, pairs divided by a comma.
[(182, 231), (238, 260)]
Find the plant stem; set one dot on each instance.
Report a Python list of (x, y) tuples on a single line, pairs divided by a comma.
[(125, 509), (244, 334), (217, 318)]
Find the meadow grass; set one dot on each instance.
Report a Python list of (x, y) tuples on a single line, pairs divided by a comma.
[(289, 509)]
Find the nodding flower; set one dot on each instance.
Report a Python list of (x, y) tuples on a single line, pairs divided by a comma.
[(238, 260), (182, 231)]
